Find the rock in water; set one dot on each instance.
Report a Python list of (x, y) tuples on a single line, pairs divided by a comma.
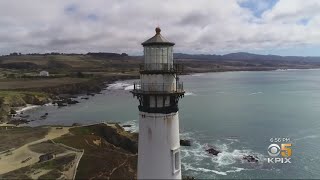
[(18, 121), (185, 142), (70, 101), (60, 104), (44, 116), (126, 125), (213, 151), (250, 158), (187, 178)]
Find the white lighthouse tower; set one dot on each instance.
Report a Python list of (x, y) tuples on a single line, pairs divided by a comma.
[(158, 92)]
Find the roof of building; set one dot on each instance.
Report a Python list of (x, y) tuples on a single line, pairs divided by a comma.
[(157, 39)]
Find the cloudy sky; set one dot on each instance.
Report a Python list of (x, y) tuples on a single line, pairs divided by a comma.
[(283, 27)]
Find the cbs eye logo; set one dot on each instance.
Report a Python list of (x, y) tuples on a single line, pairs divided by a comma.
[(274, 150)]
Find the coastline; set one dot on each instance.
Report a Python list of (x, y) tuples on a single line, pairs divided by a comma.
[(103, 84), (26, 99), (231, 153)]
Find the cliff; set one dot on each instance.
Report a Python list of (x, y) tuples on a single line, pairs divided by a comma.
[(109, 151), (100, 151), (11, 99)]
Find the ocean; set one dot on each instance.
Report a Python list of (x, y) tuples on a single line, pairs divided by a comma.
[(238, 113)]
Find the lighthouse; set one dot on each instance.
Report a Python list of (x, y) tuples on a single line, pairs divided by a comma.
[(158, 92)]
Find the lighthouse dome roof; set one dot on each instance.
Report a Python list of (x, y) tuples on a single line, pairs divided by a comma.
[(157, 39)]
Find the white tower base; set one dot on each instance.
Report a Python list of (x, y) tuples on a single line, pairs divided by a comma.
[(159, 146)]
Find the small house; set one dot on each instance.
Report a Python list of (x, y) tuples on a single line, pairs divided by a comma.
[(44, 73)]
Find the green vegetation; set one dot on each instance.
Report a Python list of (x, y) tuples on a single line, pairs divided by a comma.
[(54, 174), (105, 147), (112, 151), (56, 166), (57, 163), (21, 98), (11, 99), (66, 64), (34, 84), (21, 84), (12, 137), (47, 147)]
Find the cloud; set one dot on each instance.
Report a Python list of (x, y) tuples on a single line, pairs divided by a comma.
[(196, 26)]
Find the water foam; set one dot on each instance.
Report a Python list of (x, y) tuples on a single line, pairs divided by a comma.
[(197, 75), (133, 126), (256, 93), (206, 170), (119, 86), (189, 94), (200, 169), (237, 169), (26, 108), (129, 88), (195, 158)]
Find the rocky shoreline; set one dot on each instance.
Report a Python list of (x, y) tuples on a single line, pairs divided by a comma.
[(61, 96)]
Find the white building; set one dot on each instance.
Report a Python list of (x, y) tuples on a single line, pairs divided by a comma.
[(44, 73), (158, 92)]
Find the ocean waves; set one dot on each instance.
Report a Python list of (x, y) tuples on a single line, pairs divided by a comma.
[(196, 161), (120, 86), (199, 163), (131, 126), (190, 94)]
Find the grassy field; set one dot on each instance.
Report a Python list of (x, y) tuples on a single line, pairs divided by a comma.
[(9, 100), (107, 152), (67, 63), (55, 168), (47, 147), (12, 137), (29, 144), (41, 60), (110, 159), (14, 84)]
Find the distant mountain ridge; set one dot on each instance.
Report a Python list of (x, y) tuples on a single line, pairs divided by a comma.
[(239, 56), (244, 56)]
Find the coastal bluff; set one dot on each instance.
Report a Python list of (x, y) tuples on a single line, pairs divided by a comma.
[(98, 151)]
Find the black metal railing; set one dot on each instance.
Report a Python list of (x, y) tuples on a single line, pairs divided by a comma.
[(158, 87), (161, 67), (166, 110)]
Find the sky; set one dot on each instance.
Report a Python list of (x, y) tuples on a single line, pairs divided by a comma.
[(281, 27)]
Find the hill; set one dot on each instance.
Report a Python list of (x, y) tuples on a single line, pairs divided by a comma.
[(89, 73), (244, 56), (105, 63), (99, 151)]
